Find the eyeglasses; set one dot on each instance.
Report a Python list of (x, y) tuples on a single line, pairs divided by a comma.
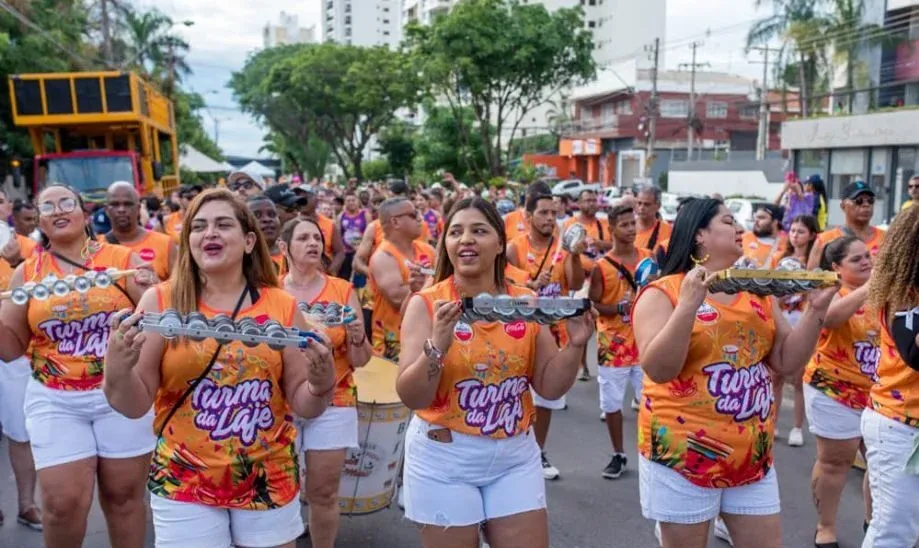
[(66, 205), (914, 186), (245, 183), (867, 200)]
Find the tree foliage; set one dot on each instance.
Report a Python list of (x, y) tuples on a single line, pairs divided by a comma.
[(396, 142), (340, 93), (501, 59), (440, 146)]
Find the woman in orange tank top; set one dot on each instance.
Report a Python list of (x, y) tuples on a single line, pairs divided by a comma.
[(706, 419), (76, 436), (326, 438), (890, 427), (225, 470), (471, 456), (838, 378)]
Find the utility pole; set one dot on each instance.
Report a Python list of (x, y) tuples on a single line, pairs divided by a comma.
[(106, 34), (172, 70), (692, 99), (653, 110), (762, 136)]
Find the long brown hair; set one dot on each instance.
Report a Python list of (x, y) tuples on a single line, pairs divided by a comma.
[(894, 281), (444, 266), (812, 226), (186, 281)]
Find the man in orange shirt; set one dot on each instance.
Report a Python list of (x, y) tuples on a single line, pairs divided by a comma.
[(652, 230), (598, 240), (517, 222), (858, 206), (25, 221), (123, 209), (172, 223), (767, 237), (395, 272)]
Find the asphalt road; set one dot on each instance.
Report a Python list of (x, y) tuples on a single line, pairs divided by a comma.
[(585, 511)]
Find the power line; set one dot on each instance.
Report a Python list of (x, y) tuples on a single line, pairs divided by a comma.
[(46, 35)]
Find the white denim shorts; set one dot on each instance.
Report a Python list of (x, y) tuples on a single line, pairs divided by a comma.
[(668, 497), (185, 525), (335, 428), (830, 419), (613, 382), (471, 479), (14, 378), (895, 505), (67, 426), (555, 405)]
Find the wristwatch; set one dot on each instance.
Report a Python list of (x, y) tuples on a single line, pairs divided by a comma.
[(433, 353)]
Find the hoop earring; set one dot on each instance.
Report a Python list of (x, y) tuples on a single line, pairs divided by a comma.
[(702, 261)]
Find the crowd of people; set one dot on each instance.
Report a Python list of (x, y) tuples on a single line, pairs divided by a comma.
[(230, 440)]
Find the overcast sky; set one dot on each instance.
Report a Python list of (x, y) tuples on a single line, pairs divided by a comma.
[(225, 31)]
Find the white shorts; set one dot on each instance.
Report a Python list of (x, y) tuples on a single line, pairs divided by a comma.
[(335, 428), (830, 419), (66, 426), (14, 378), (895, 506), (669, 497), (555, 405), (613, 382), (470, 480), (184, 524)]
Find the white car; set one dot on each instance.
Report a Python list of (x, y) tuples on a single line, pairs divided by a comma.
[(744, 209), (573, 188)]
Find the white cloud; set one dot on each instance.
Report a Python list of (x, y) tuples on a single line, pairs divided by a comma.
[(226, 31)]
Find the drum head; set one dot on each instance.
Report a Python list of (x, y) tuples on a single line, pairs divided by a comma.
[(376, 382)]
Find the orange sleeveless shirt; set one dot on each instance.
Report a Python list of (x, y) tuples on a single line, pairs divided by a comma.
[(643, 238), (27, 245), (338, 291), (760, 251), (896, 392), (484, 389), (615, 338), (714, 423), (327, 226), (379, 235), (844, 367), (386, 317), (515, 224), (172, 225), (70, 333), (873, 245), (231, 444), (280, 263), (153, 248), (530, 260)]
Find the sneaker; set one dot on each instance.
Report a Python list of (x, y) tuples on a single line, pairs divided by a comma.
[(548, 471), (635, 405), (614, 469), (585, 376), (795, 437), (721, 531)]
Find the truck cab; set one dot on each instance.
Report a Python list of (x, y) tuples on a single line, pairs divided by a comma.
[(91, 129)]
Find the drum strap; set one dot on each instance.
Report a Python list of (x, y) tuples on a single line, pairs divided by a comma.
[(124, 291), (626, 275), (248, 290), (544, 257)]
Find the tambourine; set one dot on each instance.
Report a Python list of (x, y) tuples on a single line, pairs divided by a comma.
[(573, 236), (423, 269), (330, 315), (52, 285), (196, 327), (778, 283), (504, 308), (646, 272)]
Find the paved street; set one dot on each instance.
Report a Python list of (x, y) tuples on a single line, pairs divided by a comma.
[(586, 511)]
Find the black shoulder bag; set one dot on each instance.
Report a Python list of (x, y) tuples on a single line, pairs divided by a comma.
[(210, 365)]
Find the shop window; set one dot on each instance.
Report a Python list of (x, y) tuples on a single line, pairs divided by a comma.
[(674, 108), (716, 109), (846, 166)]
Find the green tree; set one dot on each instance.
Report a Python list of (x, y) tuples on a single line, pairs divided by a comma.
[(152, 49), (342, 94), (396, 142), (376, 170), (441, 146), (501, 59), (190, 126)]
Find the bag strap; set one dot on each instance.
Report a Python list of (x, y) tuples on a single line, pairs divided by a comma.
[(124, 291), (652, 243), (600, 230), (544, 257), (210, 364), (624, 271)]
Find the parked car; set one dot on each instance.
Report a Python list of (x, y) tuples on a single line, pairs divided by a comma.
[(743, 210), (573, 188)]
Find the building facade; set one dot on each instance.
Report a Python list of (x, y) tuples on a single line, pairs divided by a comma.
[(617, 119), (287, 31), (362, 22)]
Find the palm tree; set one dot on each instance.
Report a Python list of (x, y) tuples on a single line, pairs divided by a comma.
[(152, 49), (796, 23)]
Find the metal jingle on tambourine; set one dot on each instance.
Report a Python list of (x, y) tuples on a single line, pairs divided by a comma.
[(60, 288), (224, 328), (567, 307), (483, 304), (19, 296), (504, 306), (274, 330), (790, 264), (82, 284), (317, 309), (41, 292), (525, 306), (573, 236), (195, 326), (170, 321), (248, 326), (102, 280)]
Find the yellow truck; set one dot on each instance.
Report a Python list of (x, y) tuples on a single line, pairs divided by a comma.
[(90, 129)]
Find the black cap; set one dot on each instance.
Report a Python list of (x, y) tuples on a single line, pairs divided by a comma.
[(193, 187), (399, 188), (856, 189), (282, 195), (776, 212)]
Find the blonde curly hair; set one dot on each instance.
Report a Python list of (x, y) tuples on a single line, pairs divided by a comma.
[(895, 279)]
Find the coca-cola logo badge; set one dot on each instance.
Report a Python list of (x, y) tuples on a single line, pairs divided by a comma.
[(147, 254), (462, 331), (516, 330), (707, 314)]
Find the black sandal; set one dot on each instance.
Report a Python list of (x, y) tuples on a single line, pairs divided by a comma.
[(834, 544)]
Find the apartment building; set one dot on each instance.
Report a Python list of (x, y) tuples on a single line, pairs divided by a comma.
[(287, 31), (362, 22)]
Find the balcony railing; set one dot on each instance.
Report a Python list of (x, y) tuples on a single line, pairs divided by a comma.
[(590, 124)]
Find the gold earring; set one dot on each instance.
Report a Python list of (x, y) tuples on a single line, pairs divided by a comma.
[(702, 261)]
